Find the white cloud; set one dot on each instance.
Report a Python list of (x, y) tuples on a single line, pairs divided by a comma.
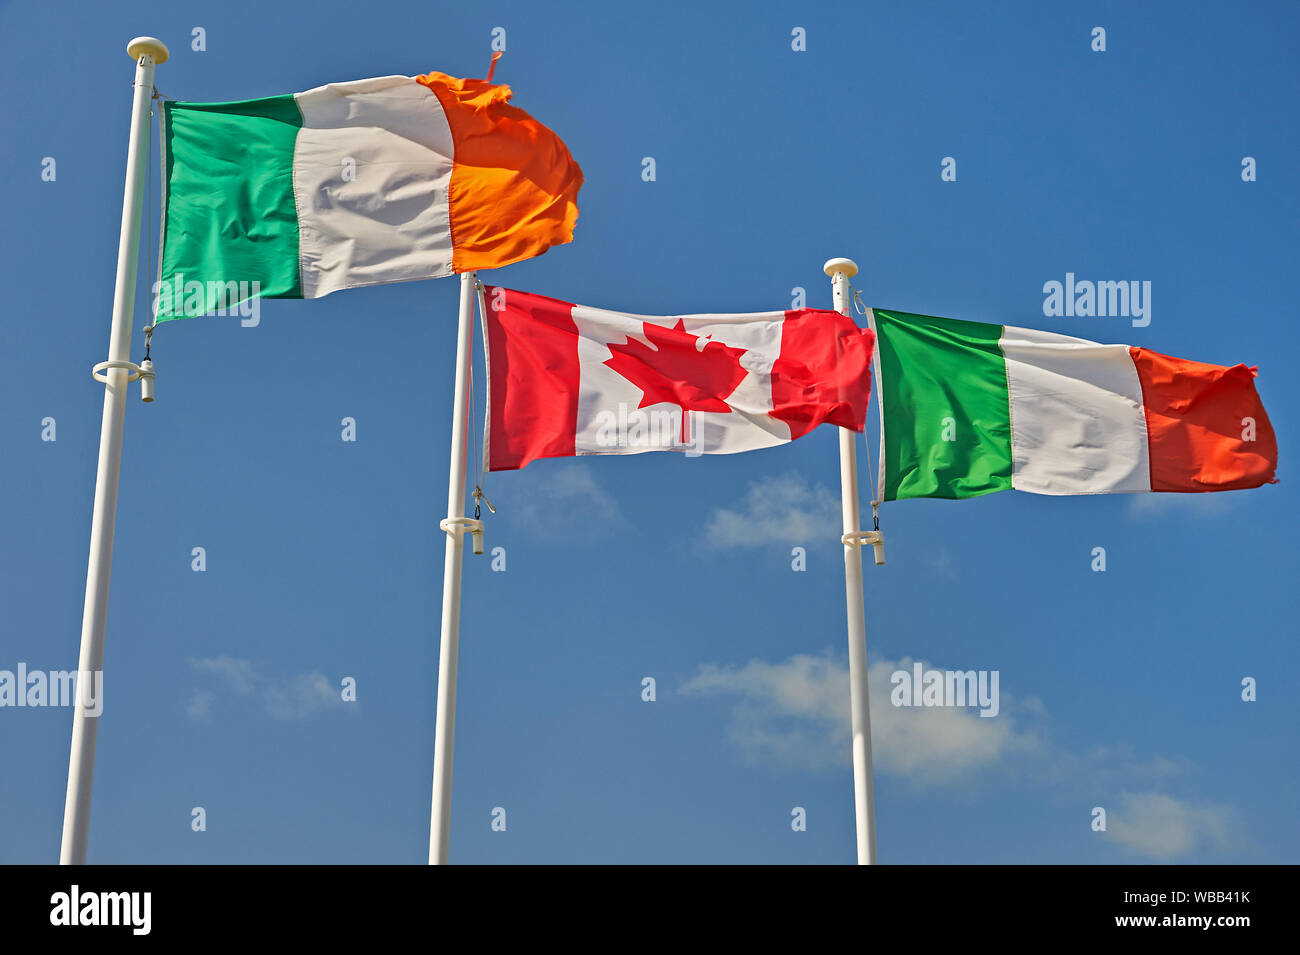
[(289, 698), (940, 560), (944, 744), (238, 675), (564, 498), (200, 707), (777, 510), (1107, 767), (795, 714), (1163, 827), (1146, 507)]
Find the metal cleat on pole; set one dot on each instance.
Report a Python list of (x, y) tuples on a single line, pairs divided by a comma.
[(452, 525), (143, 373), (874, 538)]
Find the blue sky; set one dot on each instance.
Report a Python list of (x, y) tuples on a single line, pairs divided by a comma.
[(1119, 689)]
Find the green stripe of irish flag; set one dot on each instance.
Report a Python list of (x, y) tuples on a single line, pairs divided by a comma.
[(969, 408), (231, 214)]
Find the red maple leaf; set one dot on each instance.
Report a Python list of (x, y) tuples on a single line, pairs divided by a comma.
[(678, 371)]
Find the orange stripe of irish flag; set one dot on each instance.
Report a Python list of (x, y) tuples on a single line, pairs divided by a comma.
[(514, 186)]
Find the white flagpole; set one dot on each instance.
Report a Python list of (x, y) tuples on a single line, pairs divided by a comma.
[(455, 527), (117, 373), (864, 798)]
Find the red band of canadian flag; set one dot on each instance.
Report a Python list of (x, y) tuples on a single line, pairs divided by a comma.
[(564, 379)]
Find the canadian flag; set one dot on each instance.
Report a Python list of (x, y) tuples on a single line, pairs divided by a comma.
[(564, 379)]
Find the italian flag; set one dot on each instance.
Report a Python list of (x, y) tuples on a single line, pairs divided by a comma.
[(968, 408), (566, 379), (381, 180)]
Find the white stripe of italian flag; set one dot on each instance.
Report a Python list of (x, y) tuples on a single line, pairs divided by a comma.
[(968, 408)]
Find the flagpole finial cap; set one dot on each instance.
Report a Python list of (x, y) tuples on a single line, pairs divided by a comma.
[(152, 46), (847, 266)]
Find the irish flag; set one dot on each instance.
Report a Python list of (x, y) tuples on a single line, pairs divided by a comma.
[(564, 379), (968, 408), (382, 180)]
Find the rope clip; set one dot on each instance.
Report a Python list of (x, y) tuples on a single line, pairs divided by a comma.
[(857, 299), (480, 496)]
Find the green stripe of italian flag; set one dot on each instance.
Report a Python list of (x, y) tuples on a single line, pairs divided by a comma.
[(968, 408)]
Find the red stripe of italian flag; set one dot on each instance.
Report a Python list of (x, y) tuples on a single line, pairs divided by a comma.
[(968, 408)]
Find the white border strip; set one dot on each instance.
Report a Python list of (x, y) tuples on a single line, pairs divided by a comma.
[(880, 403), (487, 380)]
